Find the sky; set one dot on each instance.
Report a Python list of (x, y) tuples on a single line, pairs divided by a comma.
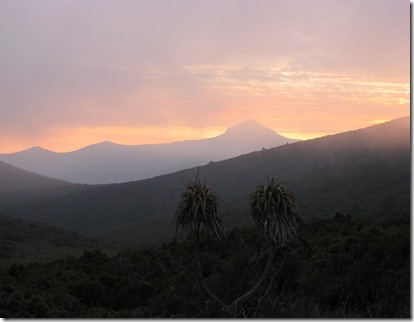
[(78, 72)]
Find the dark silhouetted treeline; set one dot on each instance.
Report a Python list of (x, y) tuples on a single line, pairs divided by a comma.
[(340, 267)]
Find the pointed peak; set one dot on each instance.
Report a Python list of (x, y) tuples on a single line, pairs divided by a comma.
[(249, 122), (246, 126)]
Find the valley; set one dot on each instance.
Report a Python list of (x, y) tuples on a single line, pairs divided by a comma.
[(112, 251), (355, 172), (108, 162)]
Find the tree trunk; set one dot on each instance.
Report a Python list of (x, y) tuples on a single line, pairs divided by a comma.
[(238, 302), (231, 310), (200, 278)]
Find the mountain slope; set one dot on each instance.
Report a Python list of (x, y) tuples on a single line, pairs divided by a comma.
[(13, 178), (364, 172), (24, 242), (108, 162)]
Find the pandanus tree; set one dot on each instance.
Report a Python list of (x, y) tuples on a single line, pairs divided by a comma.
[(274, 212), (199, 210)]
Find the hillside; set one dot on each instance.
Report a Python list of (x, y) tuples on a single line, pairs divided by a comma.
[(23, 241), (13, 178), (108, 162), (364, 172), (342, 267)]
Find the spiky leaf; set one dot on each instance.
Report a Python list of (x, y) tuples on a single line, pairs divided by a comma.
[(199, 209), (274, 212)]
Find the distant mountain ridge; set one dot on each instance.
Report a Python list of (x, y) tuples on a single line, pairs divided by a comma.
[(107, 162), (13, 178), (364, 172)]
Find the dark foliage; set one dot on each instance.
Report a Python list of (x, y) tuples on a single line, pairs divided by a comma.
[(24, 241), (199, 209), (274, 212), (339, 267)]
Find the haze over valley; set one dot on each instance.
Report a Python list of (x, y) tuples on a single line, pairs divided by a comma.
[(108, 162), (351, 172)]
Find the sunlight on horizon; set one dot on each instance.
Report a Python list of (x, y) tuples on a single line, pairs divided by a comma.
[(146, 72), (64, 140), (72, 139)]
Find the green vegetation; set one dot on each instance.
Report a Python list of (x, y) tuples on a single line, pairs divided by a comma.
[(340, 267)]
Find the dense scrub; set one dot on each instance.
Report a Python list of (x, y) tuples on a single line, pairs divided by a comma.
[(339, 267), (22, 242)]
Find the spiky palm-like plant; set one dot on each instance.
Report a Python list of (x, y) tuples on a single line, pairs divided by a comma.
[(199, 209), (274, 212)]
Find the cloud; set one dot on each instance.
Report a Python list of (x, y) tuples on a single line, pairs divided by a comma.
[(103, 63)]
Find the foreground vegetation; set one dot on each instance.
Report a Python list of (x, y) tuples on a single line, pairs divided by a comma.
[(338, 267)]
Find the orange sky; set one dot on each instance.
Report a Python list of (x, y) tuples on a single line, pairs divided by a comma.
[(156, 72)]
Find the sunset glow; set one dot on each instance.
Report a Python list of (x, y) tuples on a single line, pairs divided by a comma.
[(71, 139), (75, 73)]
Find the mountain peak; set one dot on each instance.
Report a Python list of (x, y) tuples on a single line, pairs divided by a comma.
[(246, 126), (34, 150), (250, 132), (102, 144), (249, 122)]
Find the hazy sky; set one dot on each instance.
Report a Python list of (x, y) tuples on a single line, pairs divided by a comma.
[(77, 72)]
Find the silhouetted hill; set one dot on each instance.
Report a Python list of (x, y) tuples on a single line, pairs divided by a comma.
[(13, 178), (23, 241), (364, 172), (108, 162)]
